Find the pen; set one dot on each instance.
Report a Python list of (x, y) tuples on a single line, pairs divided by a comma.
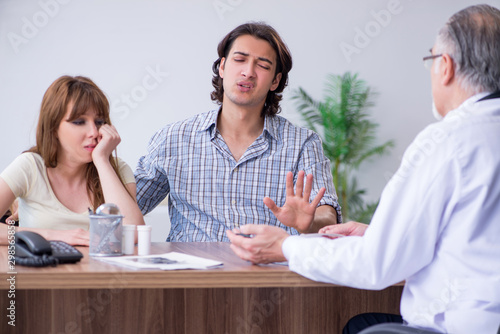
[(245, 235)]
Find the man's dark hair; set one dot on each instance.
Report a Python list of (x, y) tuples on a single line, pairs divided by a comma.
[(284, 62)]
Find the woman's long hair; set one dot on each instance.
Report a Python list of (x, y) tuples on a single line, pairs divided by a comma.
[(85, 95)]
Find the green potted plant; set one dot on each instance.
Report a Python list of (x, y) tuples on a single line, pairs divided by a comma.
[(348, 135)]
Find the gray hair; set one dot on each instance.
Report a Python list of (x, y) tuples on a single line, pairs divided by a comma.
[(472, 39)]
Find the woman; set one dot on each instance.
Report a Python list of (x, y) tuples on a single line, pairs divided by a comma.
[(71, 167)]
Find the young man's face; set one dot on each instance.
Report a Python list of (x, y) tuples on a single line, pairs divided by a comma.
[(248, 72)]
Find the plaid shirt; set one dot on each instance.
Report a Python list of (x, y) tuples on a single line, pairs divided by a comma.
[(210, 191)]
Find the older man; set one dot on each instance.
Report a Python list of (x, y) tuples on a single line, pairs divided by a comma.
[(438, 221)]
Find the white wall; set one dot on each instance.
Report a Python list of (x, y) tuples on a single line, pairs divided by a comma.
[(118, 43)]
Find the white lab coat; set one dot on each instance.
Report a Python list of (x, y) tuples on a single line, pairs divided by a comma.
[(437, 227)]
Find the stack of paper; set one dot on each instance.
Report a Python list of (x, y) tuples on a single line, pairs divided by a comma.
[(167, 261)]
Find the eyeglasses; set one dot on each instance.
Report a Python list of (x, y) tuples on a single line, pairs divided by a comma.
[(428, 60)]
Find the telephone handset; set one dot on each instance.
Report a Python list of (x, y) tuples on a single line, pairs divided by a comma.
[(33, 250)]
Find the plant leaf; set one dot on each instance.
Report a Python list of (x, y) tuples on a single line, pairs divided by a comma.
[(342, 121)]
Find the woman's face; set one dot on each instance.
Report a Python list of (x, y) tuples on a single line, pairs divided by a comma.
[(78, 137)]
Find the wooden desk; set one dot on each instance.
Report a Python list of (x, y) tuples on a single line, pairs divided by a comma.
[(95, 297)]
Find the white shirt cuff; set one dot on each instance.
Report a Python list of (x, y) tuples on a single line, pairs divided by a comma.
[(288, 246)]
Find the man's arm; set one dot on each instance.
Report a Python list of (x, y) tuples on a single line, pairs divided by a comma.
[(325, 215), (348, 229), (297, 212), (313, 161), (152, 184), (264, 247), (266, 244)]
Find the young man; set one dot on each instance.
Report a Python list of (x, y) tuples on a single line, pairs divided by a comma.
[(437, 224), (218, 167)]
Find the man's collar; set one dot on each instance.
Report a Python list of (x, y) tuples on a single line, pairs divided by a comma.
[(271, 126), (469, 104), (210, 123), (473, 99), (494, 95)]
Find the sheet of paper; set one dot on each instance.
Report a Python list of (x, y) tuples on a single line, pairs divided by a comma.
[(167, 261), (320, 235)]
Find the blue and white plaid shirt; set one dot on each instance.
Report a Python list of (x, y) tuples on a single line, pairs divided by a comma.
[(210, 191)]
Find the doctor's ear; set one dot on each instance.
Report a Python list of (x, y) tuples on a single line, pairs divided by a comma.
[(446, 68)]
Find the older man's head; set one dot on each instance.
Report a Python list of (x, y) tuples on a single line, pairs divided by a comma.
[(467, 61)]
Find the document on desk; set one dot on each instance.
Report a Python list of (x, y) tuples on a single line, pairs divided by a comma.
[(322, 235), (167, 261)]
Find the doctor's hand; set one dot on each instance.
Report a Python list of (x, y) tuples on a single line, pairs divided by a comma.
[(349, 229), (297, 212), (263, 247)]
